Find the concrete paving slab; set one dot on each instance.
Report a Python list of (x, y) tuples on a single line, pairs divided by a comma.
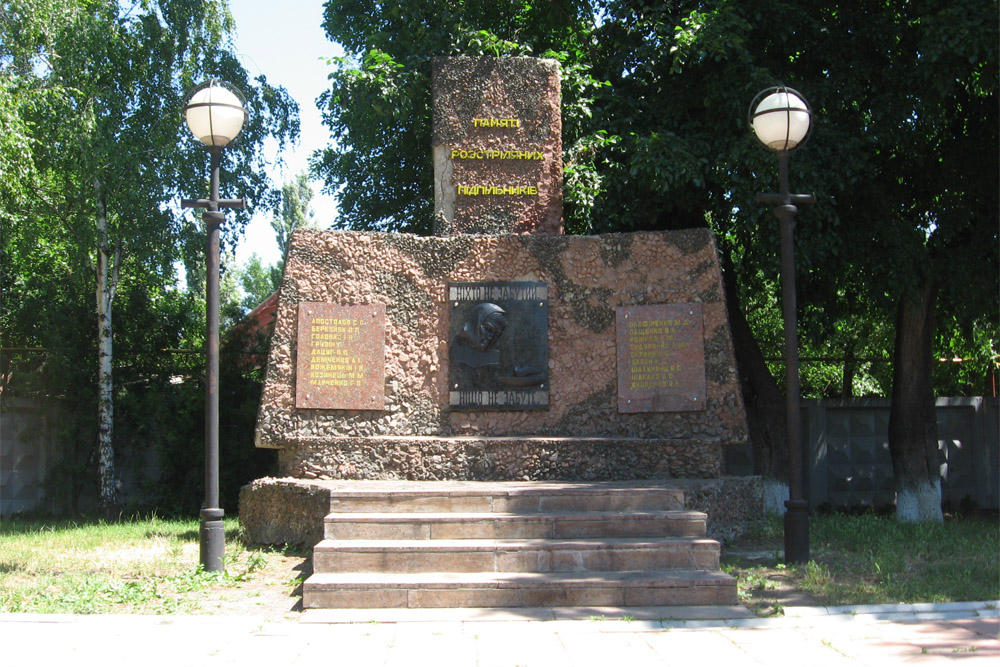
[(440, 649), (602, 649), (629, 626), (514, 614), (986, 627), (786, 647), (733, 623), (659, 613), (684, 649), (530, 648), (797, 612), (451, 638)]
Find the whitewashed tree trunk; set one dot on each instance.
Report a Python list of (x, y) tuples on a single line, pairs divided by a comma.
[(919, 502), (913, 441), (107, 282), (775, 494)]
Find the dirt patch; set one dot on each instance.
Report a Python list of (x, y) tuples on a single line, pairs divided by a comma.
[(766, 585), (274, 590)]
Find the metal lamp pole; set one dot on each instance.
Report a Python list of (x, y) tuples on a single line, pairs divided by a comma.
[(781, 119), (215, 114)]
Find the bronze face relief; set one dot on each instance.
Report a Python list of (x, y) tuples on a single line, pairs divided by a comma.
[(498, 346), (484, 329)]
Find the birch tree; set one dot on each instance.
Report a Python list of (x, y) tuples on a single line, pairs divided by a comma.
[(99, 88)]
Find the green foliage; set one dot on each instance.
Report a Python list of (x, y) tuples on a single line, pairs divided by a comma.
[(294, 213), (162, 428), (905, 562), (92, 98), (258, 281), (655, 137), (871, 559), (243, 288)]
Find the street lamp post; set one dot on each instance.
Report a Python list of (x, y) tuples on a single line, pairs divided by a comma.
[(781, 119), (215, 114)]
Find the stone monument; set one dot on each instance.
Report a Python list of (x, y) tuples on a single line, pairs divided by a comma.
[(619, 366), (497, 146), (499, 349)]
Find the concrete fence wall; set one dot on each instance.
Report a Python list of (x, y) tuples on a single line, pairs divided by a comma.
[(27, 443), (848, 444), (849, 463)]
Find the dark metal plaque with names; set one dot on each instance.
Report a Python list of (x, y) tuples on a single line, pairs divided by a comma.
[(498, 346), (661, 358), (340, 363)]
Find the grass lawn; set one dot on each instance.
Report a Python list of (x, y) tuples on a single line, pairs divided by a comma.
[(869, 559), (138, 566), (150, 566)]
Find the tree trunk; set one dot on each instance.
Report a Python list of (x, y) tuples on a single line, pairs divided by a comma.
[(847, 387), (912, 423), (762, 399), (107, 279)]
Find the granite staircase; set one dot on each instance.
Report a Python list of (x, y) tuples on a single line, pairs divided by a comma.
[(514, 544)]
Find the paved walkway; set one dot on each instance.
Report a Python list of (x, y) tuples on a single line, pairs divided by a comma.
[(877, 636)]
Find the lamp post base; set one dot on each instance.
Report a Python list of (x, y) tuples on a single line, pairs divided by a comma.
[(796, 531), (213, 539)]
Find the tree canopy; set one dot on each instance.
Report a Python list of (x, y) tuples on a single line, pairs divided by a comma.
[(294, 212), (655, 136), (95, 158), (903, 155)]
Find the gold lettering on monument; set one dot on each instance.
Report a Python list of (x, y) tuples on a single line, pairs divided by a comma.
[(496, 190), (661, 358), (505, 154), (496, 122), (340, 357), (333, 361), (651, 344), (485, 154)]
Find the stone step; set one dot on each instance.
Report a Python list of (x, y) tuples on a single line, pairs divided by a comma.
[(497, 525), (491, 589), (479, 555), (463, 496)]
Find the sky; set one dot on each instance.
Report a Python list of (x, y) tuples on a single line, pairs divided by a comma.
[(285, 42)]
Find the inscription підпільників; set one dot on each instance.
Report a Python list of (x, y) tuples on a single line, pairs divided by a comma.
[(498, 346), (661, 358), (340, 363), (517, 154)]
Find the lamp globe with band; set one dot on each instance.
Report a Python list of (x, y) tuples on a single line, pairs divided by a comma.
[(215, 113), (780, 118)]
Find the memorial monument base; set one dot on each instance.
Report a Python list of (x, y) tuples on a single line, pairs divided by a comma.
[(632, 343), (503, 420), (406, 544), (290, 510), (500, 415), (488, 458)]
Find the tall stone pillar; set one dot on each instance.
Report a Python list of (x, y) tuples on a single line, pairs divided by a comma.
[(497, 144)]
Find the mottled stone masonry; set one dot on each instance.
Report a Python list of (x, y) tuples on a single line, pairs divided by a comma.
[(497, 146), (581, 436)]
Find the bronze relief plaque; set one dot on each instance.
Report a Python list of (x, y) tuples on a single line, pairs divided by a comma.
[(498, 346), (661, 358), (341, 357)]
